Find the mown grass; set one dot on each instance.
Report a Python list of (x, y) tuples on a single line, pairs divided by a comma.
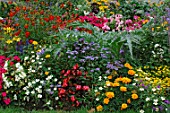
[(22, 110)]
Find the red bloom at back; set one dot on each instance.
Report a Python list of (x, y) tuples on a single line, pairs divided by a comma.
[(27, 34), (26, 26), (51, 17), (17, 33)]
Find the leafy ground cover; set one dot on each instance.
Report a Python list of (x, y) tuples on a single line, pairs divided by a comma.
[(104, 56)]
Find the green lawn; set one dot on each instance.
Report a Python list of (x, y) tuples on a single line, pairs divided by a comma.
[(22, 110)]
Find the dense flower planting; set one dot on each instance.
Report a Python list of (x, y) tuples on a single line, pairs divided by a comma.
[(99, 54)]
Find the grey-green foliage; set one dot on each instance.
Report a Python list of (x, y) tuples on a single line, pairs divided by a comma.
[(114, 40)]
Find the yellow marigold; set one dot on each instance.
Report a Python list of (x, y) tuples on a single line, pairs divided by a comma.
[(99, 108), (117, 4), (124, 106), (46, 73), (127, 65), (115, 84), (128, 101), (9, 41), (126, 80), (47, 56), (118, 79), (123, 89), (110, 94), (108, 83), (16, 38), (131, 72), (110, 77), (106, 101), (153, 29), (134, 96), (35, 42)]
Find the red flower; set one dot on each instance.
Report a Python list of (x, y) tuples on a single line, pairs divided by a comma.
[(77, 103), (11, 14), (64, 85), (78, 87), (79, 73), (7, 101), (17, 33), (73, 98), (30, 41), (75, 67), (54, 27), (67, 73), (63, 71), (27, 34), (86, 88), (42, 12), (11, 63), (62, 91), (26, 26), (16, 58), (51, 17), (3, 94), (0, 86)]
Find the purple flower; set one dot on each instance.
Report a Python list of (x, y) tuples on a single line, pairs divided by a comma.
[(92, 70), (107, 72), (161, 108), (122, 52), (103, 56), (81, 40), (111, 66), (51, 86), (82, 60), (89, 57), (167, 101), (97, 69)]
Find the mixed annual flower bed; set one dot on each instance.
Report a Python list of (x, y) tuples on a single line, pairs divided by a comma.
[(100, 54)]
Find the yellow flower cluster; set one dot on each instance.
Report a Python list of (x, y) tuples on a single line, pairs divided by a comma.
[(103, 4), (131, 71), (157, 76)]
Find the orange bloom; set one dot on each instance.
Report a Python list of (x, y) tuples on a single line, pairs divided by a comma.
[(134, 96), (131, 72), (127, 65), (109, 94), (124, 106), (106, 101), (129, 101), (99, 108), (123, 89)]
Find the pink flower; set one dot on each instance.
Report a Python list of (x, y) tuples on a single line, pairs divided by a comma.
[(136, 17), (79, 73), (73, 98), (78, 87), (75, 67), (77, 103), (7, 101), (17, 58), (86, 88), (3, 94)]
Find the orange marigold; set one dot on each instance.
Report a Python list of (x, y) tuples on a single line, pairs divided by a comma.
[(106, 101), (131, 72), (123, 89)]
